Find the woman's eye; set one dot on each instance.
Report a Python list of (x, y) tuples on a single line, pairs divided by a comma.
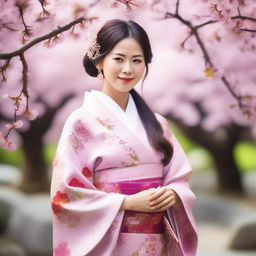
[(117, 59), (136, 60)]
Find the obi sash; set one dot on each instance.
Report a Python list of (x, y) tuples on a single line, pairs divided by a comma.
[(128, 181)]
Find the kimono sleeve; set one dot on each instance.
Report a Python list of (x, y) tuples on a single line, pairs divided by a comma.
[(86, 221), (176, 177)]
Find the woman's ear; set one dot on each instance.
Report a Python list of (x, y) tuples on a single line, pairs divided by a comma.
[(99, 66)]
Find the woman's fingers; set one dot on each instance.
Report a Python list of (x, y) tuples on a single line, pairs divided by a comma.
[(159, 197), (158, 192), (153, 199), (165, 207), (164, 202)]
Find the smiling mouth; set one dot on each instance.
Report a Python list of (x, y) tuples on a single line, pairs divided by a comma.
[(126, 79)]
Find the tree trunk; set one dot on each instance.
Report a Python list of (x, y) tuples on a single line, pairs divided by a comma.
[(220, 143), (34, 170), (229, 180), (35, 176)]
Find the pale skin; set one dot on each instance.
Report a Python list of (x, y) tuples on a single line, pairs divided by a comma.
[(126, 60)]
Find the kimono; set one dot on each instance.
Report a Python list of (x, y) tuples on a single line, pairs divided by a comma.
[(102, 156)]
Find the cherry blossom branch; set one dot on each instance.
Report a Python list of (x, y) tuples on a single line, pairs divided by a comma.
[(210, 69), (241, 17), (244, 102), (4, 68), (20, 8), (128, 3), (24, 80), (17, 99), (205, 23), (193, 31), (37, 40), (177, 7), (248, 30), (43, 3)]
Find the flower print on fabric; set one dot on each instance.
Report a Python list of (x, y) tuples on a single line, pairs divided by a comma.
[(72, 219), (152, 245), (75, 194), (58, 199), (106, 123), (74, 182), (82, 131), (130, 152), (62, 250), (76, 143), (132, 157), (80, 134), (107, 187), (142, 222), (87, 172)]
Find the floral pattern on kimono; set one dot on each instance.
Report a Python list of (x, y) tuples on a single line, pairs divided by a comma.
[(87, 218)]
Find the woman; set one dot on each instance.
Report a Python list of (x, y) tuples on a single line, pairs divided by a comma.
[(120, 178)]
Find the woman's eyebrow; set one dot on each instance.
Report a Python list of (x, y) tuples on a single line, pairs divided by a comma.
[(138, 55)]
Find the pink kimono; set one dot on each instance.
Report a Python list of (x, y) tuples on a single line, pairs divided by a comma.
[(97, 162)]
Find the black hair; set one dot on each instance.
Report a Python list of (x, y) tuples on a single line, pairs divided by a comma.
[(108, 36)]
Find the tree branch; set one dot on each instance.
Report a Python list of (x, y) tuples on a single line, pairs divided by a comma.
[(26, 31), (248, 30), (208, 62), (44, 37), (127, 3), (205, 24), (245, 107), (177, 7), (193, 31), (241, 17)]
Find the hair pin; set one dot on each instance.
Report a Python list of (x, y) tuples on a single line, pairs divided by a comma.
[(93, 50)]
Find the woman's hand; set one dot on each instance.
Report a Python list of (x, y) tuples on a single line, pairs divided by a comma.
[(150, 200), (163, 198)]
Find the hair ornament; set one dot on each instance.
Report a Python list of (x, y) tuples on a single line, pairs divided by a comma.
[(93, 50)]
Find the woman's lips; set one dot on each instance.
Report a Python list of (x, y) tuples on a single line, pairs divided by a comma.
[(125, 80)]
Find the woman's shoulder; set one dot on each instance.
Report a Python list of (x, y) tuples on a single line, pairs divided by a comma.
[(78, 114)]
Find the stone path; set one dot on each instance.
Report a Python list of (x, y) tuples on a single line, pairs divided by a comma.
[(218, 217), (216, 221)]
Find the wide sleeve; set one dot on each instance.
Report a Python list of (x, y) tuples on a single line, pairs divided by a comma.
[(176, 177), (86, 221)]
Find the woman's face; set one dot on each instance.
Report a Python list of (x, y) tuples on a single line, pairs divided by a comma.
[(125, 60)]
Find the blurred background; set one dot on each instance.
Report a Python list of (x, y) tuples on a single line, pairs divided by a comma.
[(202, 79)]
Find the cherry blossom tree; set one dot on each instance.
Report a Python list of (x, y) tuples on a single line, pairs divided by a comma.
[(20, 84), (210, 47), (219, 111)]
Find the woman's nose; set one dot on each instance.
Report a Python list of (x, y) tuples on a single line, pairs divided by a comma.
[(127, 68)]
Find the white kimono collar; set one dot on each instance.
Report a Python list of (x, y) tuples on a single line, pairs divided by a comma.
[(129, 117)]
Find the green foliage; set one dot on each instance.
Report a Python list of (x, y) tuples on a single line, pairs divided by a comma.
[(15, 157), (186, 144), (193, 149), (245, 154), (11, 157)]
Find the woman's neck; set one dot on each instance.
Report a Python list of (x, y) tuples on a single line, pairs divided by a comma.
[(121, 98)]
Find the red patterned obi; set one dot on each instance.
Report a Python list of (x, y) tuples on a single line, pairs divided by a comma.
[(133, 221)]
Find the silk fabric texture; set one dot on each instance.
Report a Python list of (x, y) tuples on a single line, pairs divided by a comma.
[(103, 155)]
